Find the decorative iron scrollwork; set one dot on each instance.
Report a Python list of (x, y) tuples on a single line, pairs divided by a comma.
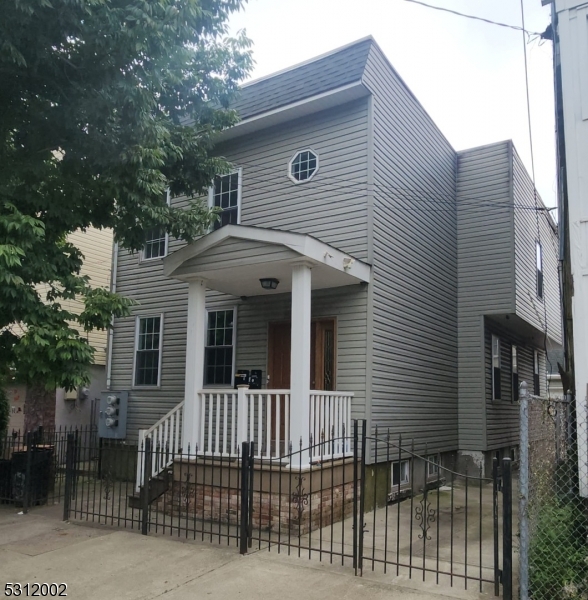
[(425, 515), (299, 497)]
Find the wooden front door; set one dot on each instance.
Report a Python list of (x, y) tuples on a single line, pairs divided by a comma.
[(322, 361)]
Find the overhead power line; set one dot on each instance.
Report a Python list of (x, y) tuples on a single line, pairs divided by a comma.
[(474, 17)]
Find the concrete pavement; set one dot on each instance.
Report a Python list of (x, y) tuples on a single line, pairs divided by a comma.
[(100, 563)]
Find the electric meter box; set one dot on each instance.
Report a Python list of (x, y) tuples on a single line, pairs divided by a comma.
[(112, 420)]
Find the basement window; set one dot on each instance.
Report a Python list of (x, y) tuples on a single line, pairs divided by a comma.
[(496, 388), (400, 473), (432, 465)]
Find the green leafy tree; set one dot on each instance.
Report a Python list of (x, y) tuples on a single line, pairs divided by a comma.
[(104, 105)]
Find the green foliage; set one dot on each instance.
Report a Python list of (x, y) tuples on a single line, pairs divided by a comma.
[(104, 104), (558, 567)]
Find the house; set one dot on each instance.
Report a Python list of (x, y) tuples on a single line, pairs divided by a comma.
[(361, 269), (34, 406)]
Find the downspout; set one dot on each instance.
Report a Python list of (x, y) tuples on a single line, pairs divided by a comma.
[(111, 330)]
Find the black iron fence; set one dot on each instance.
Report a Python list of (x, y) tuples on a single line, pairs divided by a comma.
[(404, 514), (33, 465)]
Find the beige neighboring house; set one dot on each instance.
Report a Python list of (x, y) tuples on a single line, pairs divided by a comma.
[(32, 407)]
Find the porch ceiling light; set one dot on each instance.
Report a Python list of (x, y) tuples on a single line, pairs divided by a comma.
[(269, 283)]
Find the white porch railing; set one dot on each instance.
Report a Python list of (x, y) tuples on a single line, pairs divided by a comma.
[(166, 442), (229, 417), (330, 424)]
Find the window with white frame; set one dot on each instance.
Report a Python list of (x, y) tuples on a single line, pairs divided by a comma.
[(303, 166), (536, 382), (225, 194), (148, 340), (514, 365), (432, 465), (156, 240), (539, 257), (400, 473), (496, 372), (220, 346)]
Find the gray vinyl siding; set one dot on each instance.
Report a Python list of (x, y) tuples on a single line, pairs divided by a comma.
[(485, 273), (529, 228), (414, 350), (147, 405), (332, 207), (503, 414)]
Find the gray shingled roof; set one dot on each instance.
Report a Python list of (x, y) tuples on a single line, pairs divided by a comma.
[(330, 72)]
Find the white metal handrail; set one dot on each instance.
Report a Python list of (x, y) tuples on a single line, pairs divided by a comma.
[(166, 442)]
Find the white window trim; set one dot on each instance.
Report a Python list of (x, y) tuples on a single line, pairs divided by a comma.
[(165, 252), (136, 347), (239, 171), (318, 164), (495, 337), (235, 314), (402, 482)]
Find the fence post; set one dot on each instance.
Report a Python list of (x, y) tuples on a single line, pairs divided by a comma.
[(145, 489), (355, 491), (28, 469), (495, 524), (69, 474), (244, 521), (524, 492), (362, 497), (506, 529)]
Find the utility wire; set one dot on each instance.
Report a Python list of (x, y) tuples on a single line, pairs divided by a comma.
[(344, 185), (476, 18), (545, 333)]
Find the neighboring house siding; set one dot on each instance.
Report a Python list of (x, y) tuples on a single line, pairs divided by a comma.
[(485, 272), (414, 373), (96, 246), (530, 227)]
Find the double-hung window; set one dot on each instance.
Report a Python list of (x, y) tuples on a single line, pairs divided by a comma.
[(148, 340), (515, 374), (496, 372), (220, 346), (156, 240), (539, 258), (536, 382), (400, 473), (225, 194)]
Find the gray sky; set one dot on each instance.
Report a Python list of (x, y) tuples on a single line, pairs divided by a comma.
[(467, 74)]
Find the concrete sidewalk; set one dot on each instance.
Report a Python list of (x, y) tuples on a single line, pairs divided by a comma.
[(100, 563)]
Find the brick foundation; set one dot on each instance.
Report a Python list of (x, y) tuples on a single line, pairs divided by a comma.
[(283, 499)]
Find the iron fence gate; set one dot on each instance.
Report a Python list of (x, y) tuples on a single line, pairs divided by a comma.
[(379, 506)]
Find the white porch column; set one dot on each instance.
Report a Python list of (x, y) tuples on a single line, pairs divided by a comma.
[(196, 330), (300, 357)]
